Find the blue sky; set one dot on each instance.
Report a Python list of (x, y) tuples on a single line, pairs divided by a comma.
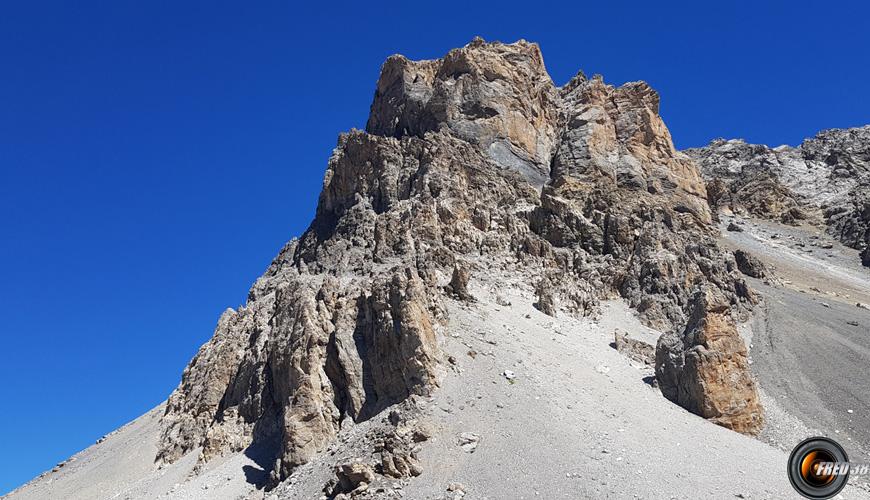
[(154, 156)]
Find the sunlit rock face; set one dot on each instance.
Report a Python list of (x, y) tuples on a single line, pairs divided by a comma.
[(472, 163)]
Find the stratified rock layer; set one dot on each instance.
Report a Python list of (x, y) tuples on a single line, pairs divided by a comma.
[(471, 163), (826, 178)]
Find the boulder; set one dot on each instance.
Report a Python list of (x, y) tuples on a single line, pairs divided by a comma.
[(749, 265), (634, 349), (459, 284), (705, 369), (353, 477)]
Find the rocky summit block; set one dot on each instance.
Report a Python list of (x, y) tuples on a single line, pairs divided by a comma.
[(472, 163), (496, 96)]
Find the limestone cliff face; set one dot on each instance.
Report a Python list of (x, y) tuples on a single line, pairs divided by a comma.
[(825, 180), (471, 163)]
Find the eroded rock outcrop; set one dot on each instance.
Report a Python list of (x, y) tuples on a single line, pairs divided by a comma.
[(292, 364), (825, 180), (475, 162), (705, 369), (496, 96), (750, 265)]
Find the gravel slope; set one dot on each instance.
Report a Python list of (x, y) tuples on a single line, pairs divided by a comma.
[(811, 343), (812, 360), (122, 467), (579, 421)]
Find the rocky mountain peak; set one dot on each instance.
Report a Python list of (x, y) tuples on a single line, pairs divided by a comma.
[(472, 163)]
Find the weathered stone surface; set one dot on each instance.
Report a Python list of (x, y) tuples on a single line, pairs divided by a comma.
[(705, 368), (825, 180), (455, 167), (546, 301), (353, 477), (634, 349), (325, 354), (398, 458), (497, 96), (622, 197), (616, 136), (458, 285), (749, 265)]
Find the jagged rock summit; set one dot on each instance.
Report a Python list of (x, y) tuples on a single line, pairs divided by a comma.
[(472, 163)]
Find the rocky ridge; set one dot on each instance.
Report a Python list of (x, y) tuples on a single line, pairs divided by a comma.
[(477, 155), (825, 180)]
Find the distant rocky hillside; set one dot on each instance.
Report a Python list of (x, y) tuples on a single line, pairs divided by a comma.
[(473, 163), (825, 180)]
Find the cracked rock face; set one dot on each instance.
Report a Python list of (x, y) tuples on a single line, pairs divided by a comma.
[(496, 96), (826, 180), (475, 157), (705, 369)]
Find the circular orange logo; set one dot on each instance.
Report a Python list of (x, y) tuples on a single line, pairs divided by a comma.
[(818, 468)]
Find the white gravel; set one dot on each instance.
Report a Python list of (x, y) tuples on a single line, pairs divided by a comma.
[(579, 419)]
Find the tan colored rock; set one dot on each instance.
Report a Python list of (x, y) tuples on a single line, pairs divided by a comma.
[(498, 96), (327, 354), (459, 283), (705, 369), (354, 477), (615, 135)]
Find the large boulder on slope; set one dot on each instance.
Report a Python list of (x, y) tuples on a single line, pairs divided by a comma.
[(705, 369)]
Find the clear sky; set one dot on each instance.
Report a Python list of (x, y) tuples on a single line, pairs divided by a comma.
[(155, 155)]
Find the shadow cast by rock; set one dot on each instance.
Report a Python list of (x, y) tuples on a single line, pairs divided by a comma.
[(258, 477)]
